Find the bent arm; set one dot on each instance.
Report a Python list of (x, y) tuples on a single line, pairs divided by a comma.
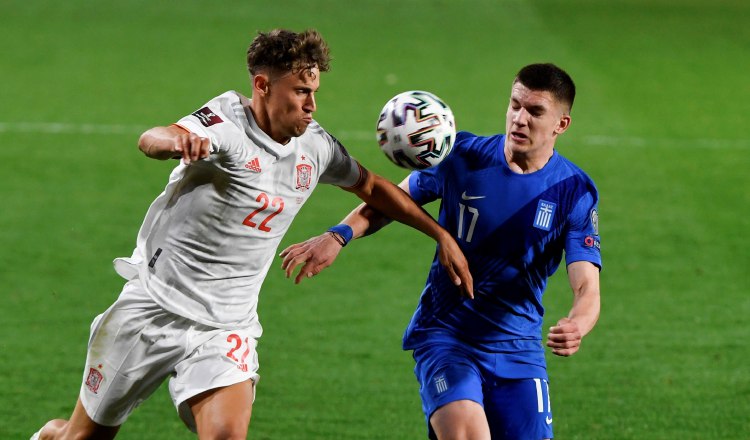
[(164, 143), (395, 203), (584, 280), (317, 253), (383, 201), (565, 337)]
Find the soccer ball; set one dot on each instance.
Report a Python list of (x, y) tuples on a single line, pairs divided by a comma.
[(416, 130)]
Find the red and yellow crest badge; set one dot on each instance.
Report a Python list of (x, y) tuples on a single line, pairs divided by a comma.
[(304, 177), (94, 380)]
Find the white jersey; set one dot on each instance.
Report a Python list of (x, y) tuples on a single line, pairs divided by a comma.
[(209, 239)]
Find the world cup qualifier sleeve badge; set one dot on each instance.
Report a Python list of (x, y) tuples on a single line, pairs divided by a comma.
[(207, 117)]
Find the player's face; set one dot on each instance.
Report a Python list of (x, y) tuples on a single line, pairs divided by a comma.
[(290, 103), (533, 121)]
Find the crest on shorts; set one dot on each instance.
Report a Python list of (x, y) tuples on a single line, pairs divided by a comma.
[(303, 177), (441, 385), (93, 380)]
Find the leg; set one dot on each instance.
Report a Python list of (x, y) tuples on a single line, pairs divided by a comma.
[(121, 369), (519, 409), (213, 389), (223, 413), (80, 426), (451, 391), (460, 420)]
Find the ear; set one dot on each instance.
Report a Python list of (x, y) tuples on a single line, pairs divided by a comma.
[(562, 124), (260, 84)]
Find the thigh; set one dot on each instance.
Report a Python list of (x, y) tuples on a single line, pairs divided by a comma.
[(131, 351), (223, 412), (519, 409), (447, 374), (218, 359), (460, 419)]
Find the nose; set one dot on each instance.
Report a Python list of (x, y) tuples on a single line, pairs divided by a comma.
[(310, 105), (520, 116)]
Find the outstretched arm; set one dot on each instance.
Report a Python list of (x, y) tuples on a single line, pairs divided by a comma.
[(317, 253), (383, 202), (565, 337), (173, 142)]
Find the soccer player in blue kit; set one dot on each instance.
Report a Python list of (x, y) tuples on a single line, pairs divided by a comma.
[(514, 205)]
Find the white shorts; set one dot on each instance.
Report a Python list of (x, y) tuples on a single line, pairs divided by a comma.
[(136, 344)]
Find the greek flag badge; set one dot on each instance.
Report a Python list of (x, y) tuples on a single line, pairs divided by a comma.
[(441, 385), (545, 211)]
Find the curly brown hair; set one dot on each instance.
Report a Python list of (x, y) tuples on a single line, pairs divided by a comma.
[(282, 50)]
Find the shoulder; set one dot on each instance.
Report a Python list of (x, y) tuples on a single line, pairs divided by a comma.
[(478, 150), (573, 169), (221, 114), (224, 103), (316, 134), (230, 104), (575, 174)]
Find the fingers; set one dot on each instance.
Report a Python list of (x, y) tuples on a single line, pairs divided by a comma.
[(309, 270), (291, 261), (455, 264), (461, 278), (564, 338), (309, 267), (467, 282), (192, 147), (313, 255), (563, 345)]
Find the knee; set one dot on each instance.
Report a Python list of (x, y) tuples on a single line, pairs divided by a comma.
[(224, 431), (225, 435)]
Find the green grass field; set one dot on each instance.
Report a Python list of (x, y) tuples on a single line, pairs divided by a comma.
[(660, 124)]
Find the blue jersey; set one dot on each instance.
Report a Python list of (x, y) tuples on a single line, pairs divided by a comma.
[(513, 229)]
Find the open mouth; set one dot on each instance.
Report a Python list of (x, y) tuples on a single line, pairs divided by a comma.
[(518, 136)]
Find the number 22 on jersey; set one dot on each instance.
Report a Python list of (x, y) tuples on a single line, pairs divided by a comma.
[(265, 214)]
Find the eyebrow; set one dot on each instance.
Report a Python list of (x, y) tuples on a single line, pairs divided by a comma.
[(531, 108), (536, 109)]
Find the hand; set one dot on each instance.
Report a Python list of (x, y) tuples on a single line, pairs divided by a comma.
[(314, 254), (191, 147), (564, 338), (454, 262)]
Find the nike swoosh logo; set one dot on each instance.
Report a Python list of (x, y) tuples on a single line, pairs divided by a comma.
[(465, 197), (548, 420)]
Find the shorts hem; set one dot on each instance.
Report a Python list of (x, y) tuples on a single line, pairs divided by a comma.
[(96, 418)]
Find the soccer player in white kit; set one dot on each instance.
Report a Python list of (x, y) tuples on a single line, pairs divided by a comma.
[(188, 309)]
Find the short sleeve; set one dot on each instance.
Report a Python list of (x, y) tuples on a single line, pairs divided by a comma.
[(342, 170), (582, 242), (426, 185), (213, 121)]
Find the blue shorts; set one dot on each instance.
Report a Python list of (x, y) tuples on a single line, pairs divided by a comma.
[(516, 409)]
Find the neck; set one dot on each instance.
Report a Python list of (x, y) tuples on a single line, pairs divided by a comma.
[(527, 162), (263, 119)]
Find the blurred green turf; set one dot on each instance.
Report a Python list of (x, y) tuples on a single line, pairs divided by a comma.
[(659, 124)]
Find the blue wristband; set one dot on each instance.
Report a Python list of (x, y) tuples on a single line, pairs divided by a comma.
[(344, 230)]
